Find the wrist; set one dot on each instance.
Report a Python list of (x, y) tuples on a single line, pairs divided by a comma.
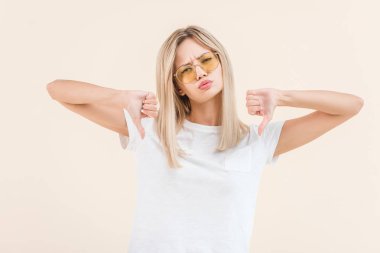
[(115, 97), (122, 98), (282, 98)]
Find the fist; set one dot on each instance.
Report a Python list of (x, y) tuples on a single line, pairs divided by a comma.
[(141, 104), (262, 102)]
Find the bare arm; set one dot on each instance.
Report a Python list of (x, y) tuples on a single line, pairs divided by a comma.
[(98, 104), (103, 105), (332, 109), (78, 92), (331, 102)]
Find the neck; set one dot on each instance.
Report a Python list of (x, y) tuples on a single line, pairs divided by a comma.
[(207, 113)]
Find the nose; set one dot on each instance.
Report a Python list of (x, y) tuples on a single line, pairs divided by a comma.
[(200, 72)]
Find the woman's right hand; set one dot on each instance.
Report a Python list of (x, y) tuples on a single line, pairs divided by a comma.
[(141, 104)]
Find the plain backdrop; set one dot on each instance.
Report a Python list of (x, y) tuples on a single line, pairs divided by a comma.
[(67, 186)]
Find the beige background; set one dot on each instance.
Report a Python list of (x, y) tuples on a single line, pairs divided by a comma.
[(66, 185)]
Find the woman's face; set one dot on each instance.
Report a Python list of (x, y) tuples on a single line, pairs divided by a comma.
[(188, 52)]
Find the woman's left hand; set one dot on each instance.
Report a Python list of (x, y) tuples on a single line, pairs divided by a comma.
[(262, 102)]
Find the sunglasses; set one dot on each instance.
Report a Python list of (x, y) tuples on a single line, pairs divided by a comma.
[(187, 73)]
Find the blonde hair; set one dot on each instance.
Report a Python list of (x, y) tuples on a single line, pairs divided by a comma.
[(174, 108)]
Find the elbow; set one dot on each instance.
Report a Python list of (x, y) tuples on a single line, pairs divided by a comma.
[(50, 87), (358, 105)]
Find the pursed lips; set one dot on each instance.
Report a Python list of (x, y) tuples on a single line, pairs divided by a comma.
[(204, 82)]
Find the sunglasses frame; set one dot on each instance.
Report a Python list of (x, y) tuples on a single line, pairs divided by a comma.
[(213, 52)]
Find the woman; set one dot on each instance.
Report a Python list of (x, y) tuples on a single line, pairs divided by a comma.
[(198, 164)]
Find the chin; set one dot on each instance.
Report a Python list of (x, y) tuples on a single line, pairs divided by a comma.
[(208, 95)]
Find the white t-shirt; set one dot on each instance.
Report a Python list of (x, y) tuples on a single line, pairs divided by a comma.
[(208, 205)]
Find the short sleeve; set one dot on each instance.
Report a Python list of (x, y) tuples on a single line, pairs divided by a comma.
[(270, 138), (134, 139)]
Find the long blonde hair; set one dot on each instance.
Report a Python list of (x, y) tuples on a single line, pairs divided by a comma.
[(174, 108)]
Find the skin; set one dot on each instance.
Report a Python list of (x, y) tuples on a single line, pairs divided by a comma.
[(104, 105), (331, 109), (205, 104)]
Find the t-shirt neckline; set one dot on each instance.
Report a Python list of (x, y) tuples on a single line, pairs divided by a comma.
[(201, 127)]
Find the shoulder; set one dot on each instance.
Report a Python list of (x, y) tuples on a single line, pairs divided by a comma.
[(133, 141), (148, 123), (268, 140), (272, 129)]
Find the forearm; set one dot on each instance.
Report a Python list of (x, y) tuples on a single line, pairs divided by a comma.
[(331, 102), (77, 92)]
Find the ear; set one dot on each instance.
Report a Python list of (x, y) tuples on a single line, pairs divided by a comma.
[(181, 92)]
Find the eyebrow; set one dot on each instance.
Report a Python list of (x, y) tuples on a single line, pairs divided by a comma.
[(196, 58)]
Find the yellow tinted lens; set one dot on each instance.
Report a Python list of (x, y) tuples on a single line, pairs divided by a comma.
[(186, 74), (209, 62)]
